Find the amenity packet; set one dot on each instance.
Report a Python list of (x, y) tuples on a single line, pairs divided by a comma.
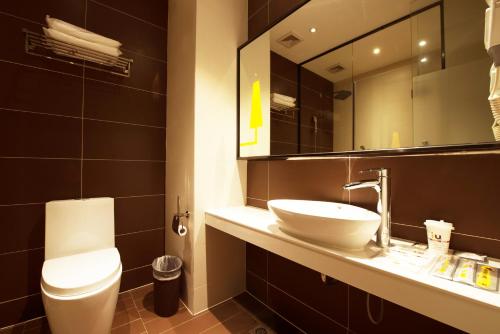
[(465, 271), (486, 277), (445, 266)]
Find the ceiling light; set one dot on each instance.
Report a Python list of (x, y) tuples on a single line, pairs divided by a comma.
[(422, 43), (424, 60), (376, 51), (312, 30)]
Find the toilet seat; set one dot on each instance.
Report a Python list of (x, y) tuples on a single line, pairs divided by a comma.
[(80, 273)]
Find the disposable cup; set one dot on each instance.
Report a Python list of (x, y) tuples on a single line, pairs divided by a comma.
[(438, 235)]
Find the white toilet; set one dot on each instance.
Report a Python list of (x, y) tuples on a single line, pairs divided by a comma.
[(82, 269)]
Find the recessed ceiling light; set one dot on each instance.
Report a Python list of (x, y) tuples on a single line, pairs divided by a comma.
[(424, 60), (422, 43), (376, 51), (312, 29)]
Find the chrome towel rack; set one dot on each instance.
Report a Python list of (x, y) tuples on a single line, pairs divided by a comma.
[(43, 46)]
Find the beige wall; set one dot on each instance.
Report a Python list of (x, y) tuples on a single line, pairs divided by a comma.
[(201, 144)]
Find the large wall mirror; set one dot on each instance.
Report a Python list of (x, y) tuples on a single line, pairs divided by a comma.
[(361, 76)]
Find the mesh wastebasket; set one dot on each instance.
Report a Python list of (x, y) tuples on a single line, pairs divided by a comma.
[(167, 277)]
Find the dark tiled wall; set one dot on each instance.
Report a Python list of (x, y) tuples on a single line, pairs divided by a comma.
[(457, 188), (70, 132), (284, 125), (316, 102)]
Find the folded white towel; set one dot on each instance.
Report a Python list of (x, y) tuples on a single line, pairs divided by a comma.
[(283, 102), (60, 36), (81, 33), (284, 97)]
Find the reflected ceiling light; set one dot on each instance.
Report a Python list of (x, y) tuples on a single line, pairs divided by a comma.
[(313, 30), (422, 43), (423, 60), (376, 51)]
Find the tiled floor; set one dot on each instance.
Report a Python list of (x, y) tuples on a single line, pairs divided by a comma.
[(134, 315)]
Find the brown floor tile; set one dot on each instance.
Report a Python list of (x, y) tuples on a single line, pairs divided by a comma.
[(124, 317), (240, 323), (142, 296), (125, 302), (134, 327), (159, 324)]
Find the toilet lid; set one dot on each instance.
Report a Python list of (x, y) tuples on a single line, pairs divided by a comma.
[(80, 273)]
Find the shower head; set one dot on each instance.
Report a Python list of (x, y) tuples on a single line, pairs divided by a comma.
[(341, 94)]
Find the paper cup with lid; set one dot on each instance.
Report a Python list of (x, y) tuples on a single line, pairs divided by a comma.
[(438, 235)]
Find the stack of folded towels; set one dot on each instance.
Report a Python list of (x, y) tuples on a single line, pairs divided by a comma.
[(284, 100), (71, 34)]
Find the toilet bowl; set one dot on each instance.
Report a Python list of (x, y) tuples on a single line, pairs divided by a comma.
[(82, 269)]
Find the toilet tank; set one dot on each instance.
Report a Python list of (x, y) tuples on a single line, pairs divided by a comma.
[(78, 226)]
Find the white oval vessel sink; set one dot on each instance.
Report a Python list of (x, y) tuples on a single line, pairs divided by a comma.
[(334, 224)]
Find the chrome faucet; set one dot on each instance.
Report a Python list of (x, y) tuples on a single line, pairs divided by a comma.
[(382, 186)]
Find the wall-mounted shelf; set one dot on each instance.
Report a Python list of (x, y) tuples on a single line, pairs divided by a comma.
[(46, 47), (283, 110)]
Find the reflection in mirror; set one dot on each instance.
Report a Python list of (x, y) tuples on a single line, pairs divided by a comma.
[(383, 74)]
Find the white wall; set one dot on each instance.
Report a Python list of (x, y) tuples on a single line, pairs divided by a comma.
[(201, 143)]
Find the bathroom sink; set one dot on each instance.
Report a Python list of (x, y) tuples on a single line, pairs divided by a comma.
[(333, 224)]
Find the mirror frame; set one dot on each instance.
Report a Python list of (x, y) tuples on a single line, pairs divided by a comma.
[(452, 148)]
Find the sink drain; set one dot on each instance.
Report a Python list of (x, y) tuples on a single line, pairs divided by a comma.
[(260, 330)]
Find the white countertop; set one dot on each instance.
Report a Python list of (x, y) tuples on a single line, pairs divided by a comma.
[(396, 277)]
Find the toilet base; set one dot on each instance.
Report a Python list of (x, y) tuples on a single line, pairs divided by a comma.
[(89, 313)]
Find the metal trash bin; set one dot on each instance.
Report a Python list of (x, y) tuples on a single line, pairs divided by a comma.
[(167, 278)]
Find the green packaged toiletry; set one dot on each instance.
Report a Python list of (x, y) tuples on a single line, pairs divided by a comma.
[(486, 277), (444, 267), (465, 271)]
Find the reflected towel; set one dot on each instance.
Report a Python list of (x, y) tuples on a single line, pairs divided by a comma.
[(80, 33), (283, 102), (283, 97), (60, 36)]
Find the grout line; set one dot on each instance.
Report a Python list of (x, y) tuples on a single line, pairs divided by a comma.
[(19, 17), (21, 204), (139, 196), (124, 123), (41, 68), (141, 231), (275, 312), (457, 233), (257, 10), (82, 115), (222, 322), (80, 76), (306, 305), (124, 271), (137, 310), (127, 14), (125, 86), (21, 251), (40, 158), (124, 160), (23, 297), (257, 199)]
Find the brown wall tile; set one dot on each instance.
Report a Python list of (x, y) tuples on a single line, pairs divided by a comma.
[(140, 249), (395, 317), (38, 180), (21, 310), (22, 227), (301, 315), (457, 188), (281, 8), (258, 22), (134, 278), (20, 89), (102, 100), (255, 5), (107, 140), (256, 259), (139, 213), (256, 286), (257, 203), (122, 178), (156, 12), (257, 171), (319, 179), (22, 274), (71, 11), (35, 135), (290, 277)]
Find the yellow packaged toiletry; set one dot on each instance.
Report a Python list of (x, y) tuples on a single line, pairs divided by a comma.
[(465, 271), (486, 277), (445, 266)]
